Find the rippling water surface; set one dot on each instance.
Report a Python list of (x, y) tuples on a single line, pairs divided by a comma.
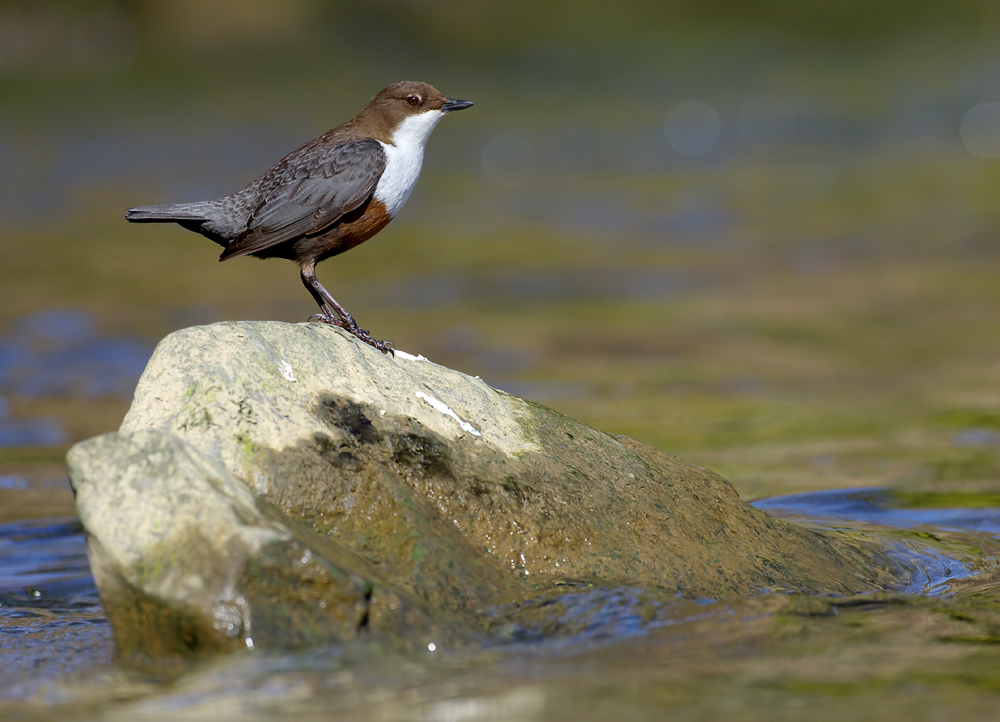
[(56, 645), (51, 621)]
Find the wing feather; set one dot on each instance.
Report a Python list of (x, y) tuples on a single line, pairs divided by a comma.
[(324, 186)]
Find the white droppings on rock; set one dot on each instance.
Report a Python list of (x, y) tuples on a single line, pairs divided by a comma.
[(410, 357), (201, 377), (446, 410), (286, 370)]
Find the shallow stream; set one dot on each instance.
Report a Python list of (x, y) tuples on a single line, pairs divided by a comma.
[(613, 651), (815, 313)]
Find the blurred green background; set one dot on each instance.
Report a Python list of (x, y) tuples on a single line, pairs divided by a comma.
[(761, 235)]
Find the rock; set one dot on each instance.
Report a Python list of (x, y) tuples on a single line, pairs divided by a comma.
[(404, 480), (189, 561)]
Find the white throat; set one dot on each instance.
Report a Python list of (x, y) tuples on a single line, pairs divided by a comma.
[(403, 159)]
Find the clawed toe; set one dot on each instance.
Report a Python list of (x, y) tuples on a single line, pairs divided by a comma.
[(332, 320), (383, 346), (386, 347)]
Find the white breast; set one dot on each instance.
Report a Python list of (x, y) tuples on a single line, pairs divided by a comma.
[(403, 159)]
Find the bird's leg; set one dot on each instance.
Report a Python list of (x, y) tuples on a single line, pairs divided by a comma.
[(335, 314)]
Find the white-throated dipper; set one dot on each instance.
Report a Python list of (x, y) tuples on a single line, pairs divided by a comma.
[(327, 196)]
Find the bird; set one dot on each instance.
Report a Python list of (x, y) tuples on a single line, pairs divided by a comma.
[(326, 196)]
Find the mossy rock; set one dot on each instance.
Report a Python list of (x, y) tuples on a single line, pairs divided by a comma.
[(400, 480)]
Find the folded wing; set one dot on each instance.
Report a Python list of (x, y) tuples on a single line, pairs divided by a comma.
[(307, 197)]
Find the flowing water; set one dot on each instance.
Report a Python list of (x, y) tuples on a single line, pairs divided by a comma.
[(614, 646), (761, 236), (918, 543)]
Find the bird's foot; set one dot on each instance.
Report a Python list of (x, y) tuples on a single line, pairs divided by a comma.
[(332, 320), (386, 347), (361, 334)]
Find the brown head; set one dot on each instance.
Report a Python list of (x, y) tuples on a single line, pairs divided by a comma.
[(400, 101)]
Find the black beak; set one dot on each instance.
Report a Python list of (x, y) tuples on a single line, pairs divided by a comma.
[(450, 105)]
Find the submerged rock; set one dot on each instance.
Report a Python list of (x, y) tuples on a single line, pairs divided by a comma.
[(287, 485)]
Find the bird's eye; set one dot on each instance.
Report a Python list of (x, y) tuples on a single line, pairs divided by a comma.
[(413, 100)]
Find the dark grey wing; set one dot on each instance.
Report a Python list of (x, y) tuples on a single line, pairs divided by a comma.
[(310, 193)]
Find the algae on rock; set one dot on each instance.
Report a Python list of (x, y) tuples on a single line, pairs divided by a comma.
[(449, 495), (189, 562)]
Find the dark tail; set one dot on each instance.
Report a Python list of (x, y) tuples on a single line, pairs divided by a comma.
[(206, 218), (169, 213)]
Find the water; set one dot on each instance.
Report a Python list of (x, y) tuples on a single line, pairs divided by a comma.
[(931, 568), (61, 352), (44, 561), (51, 621), (872, 507), (56, 645)]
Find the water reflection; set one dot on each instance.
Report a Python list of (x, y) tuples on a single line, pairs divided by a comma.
[(51, 621), (766, 122), (692, 127), (980, 130), (44, 562), (61, 353), (872, 506), (39, 431), (976, 438), (930, 563)]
